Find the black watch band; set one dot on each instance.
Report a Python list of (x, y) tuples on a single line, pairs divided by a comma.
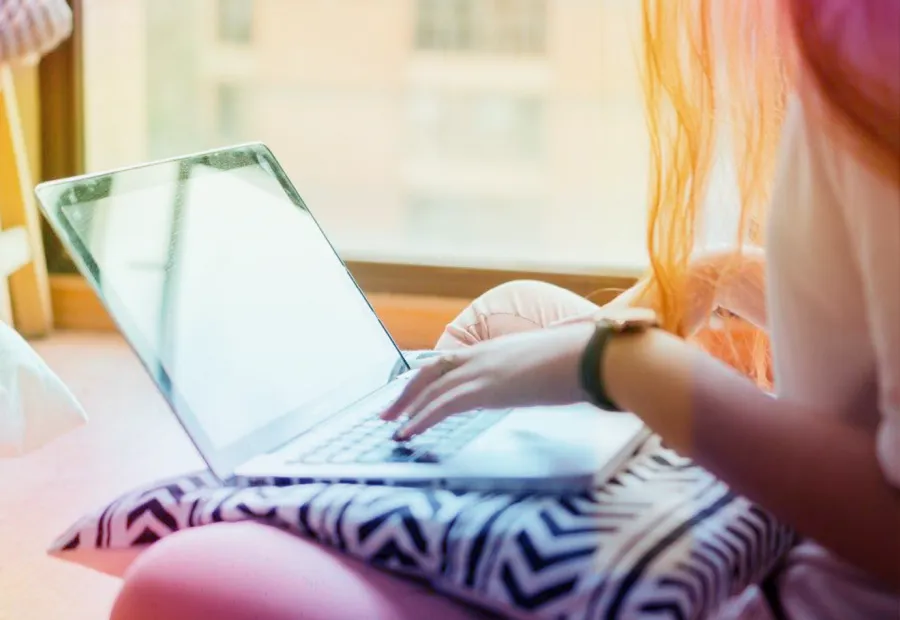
[(592, 368)]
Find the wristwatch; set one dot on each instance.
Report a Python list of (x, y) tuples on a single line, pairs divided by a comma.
[(607, 325)]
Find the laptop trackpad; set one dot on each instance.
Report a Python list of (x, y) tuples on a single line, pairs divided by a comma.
[(550, 441)]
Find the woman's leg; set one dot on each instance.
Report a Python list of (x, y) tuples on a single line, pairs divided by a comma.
[(249, 571), (513, 307)]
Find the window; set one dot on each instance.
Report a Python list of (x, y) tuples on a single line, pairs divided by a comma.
[(489, 125), (230, 112), (491, 26), (441, 218), (235, 21), (504, 133)]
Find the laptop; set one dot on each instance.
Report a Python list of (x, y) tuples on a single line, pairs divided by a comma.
[(269, 353)]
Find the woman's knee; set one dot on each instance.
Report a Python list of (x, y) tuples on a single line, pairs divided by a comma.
[(196, 574), (516, 306), (249, 571)]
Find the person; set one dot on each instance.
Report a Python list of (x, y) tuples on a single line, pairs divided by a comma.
[(818, 83)]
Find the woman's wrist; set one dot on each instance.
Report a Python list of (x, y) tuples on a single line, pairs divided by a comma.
[(590, 369), (607, 328), (648, 374)]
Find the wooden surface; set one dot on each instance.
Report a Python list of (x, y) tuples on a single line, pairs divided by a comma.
[(29, 293), (470, 282), (15, 251), (414, 321), (76, 307)]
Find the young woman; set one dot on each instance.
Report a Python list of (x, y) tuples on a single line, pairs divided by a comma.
[(831, 433)]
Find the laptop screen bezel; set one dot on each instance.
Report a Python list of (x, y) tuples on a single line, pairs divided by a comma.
[(55, 196)]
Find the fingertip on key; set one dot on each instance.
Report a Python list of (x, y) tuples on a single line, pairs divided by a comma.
[(388, 414), (400, 435)]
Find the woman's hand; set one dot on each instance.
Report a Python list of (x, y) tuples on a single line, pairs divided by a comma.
[(532, 368)]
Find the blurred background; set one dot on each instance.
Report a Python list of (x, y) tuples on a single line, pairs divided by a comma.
[(488, 133)]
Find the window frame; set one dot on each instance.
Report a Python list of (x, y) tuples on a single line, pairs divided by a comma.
[(490, 38), (224, 34), (398, 286)]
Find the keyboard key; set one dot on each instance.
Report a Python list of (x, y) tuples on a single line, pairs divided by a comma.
[(426, 457), (316, 458), (374, 456), (401, 454), (346, 456), (370, 440), (387, 454)]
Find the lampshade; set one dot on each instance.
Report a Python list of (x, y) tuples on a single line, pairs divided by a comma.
[(29, 29)]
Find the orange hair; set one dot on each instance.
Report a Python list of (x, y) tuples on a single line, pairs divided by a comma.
[(720, 71), (715, 73)]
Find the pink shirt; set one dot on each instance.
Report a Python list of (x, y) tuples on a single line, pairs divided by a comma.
[(834, 311)]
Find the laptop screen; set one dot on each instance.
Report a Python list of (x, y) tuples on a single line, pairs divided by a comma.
[(236, 302)]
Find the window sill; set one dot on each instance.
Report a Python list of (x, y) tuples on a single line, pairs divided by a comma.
[(415, 320), (468, 282), (415, 302)]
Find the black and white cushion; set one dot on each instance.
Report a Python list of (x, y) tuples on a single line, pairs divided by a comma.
[(664, 539)]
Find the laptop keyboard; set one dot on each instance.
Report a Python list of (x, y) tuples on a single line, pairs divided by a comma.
[(371, 441)]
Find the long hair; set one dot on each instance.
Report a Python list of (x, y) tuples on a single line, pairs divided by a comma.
[(717, 74)]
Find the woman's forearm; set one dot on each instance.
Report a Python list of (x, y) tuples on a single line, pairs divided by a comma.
[(807, 467)]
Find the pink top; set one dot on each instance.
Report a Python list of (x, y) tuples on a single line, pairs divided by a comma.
[(834, 312)]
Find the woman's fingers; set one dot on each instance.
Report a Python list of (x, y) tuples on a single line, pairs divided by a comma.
[(425, 378), (459, 399), (444, 384)]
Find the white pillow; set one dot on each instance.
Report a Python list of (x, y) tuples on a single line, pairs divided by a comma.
[(35, 405)]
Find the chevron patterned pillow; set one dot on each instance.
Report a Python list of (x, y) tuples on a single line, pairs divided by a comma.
[(663, 539)]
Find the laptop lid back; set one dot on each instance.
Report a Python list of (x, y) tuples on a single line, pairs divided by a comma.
[(233, 298)]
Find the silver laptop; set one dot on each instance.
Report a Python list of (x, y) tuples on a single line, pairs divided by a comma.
[(267, 350)]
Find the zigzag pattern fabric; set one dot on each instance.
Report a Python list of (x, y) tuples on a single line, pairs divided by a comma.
[(663, 540)]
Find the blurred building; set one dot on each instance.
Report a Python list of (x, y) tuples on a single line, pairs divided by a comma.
[(484, 130)]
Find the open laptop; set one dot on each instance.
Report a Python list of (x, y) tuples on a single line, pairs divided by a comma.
[(267, 350)]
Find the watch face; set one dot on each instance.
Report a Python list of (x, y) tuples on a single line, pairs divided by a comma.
[(631, 319)]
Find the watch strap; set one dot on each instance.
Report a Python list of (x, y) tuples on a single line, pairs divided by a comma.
[(592, 370)]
